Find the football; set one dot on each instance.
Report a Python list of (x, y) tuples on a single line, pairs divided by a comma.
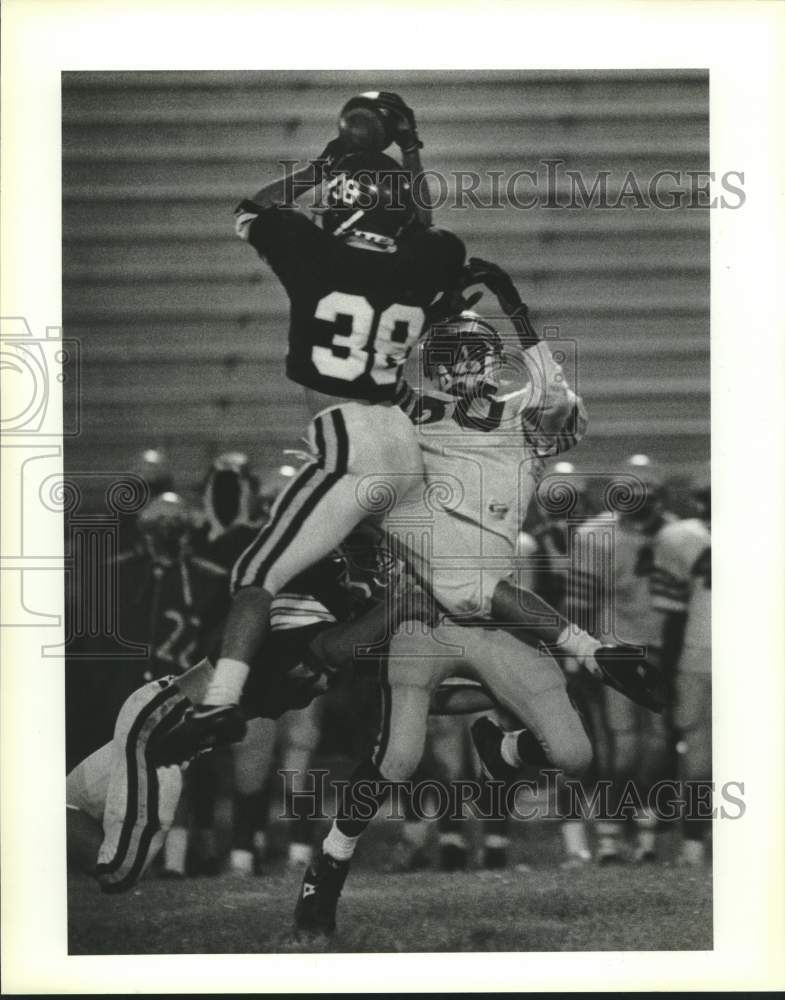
[(363, 125)]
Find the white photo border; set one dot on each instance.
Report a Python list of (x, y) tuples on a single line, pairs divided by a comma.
[(743, 47)]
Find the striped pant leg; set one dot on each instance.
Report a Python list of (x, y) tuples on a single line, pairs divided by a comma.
[(312, 515), (141, 798), (326, 500)]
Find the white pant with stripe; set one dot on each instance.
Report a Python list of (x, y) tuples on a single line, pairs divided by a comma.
[(525, 682), (367, 461), (119, 786)]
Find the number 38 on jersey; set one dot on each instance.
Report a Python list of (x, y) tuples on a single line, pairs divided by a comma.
[(366, 341)]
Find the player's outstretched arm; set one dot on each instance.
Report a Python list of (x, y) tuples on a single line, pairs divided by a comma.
[(534, 621), (408, 141), (287, 189), (336, 646), (555, 417)]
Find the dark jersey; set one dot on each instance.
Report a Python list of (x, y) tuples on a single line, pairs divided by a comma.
[(172, 608), (160, 615), (356, 311), (286, 676), (552, 565)]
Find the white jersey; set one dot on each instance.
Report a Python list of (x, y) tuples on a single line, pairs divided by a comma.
[(681, 582), (610, 591), (483, 462)]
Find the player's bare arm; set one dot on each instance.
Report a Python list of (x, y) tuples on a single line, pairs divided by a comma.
[(337, 645)]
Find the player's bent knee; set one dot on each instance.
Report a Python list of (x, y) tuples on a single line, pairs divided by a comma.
[(399, 764), (573, 755)]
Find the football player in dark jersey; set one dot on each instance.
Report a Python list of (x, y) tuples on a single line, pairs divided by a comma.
[(121, 802), (359, 286), (229, 506), (166, 596)]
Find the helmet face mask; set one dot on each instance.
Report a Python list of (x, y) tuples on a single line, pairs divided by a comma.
[(167, 525), (369, 565), (463, 356), (367, 191), (228, 492)]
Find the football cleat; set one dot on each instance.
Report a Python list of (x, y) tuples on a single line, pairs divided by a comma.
[(692, 854), (495, 858), (609, 853), (626, 670), (299, 855), (453, 857), (172, 874), (644, 855), (202, 728), (487, 739), (241, 862), (576, 859), (407, 858), (319, 895)]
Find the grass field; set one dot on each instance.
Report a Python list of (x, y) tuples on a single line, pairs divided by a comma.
[(626, 907)]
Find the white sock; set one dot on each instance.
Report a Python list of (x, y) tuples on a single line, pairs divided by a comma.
[(338, 845), (451, 838), (227, 684), (509, 749), (496, 842), (574, 835), (299, 854), (175, 849), (415, 832), (647, 831), (241, 860)]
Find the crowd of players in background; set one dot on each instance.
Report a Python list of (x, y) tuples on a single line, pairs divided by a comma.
[(173, 587)]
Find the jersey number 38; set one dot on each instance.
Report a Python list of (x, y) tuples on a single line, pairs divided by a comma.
[(366, 340)]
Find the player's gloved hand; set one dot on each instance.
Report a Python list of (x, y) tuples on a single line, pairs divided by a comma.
[(329, 156), (496, 279), (449, 304), (405, 124), (576, 649)]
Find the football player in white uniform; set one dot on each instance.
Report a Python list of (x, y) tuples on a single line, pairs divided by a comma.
[(681, 587), (610, 596), (489, 414), (484, 452)]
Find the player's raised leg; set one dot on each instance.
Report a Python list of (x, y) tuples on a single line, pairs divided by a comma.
[(367, 460)]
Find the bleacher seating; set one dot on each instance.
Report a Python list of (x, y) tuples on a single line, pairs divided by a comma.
[(183, 330)]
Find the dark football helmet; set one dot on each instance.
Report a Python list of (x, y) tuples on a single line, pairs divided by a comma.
[(370, 192), (368, 562), (167, 525), (462, 355), (228, 492)]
